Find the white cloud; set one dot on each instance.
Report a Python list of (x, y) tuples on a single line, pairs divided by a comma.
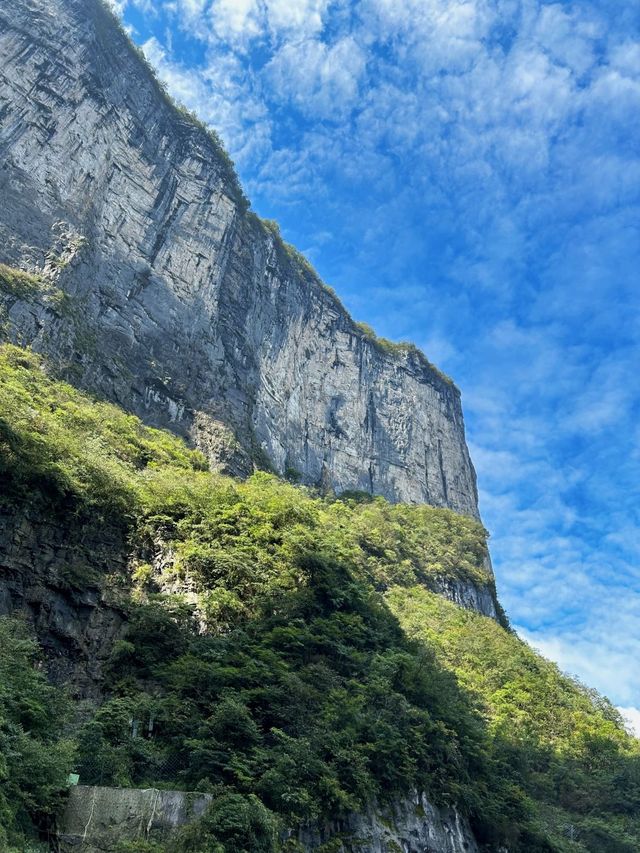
[(604, 662), (626, 58), (297, 16), (322, 80), (241, 21), (216, 93), (631, 717), (567, 36), (235, 20), (118, 5)]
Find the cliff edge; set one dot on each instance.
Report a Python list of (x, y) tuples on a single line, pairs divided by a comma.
[(177, 302)]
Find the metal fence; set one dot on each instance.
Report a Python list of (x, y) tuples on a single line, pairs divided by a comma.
[(142, 771)]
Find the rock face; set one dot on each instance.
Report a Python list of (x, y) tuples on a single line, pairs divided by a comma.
[(53, 568), (97, 820), (179, 304), (411, 825)]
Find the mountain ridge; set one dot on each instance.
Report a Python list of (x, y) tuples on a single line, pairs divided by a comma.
[(293, 655)]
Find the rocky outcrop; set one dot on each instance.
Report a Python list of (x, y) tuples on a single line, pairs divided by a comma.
[(97, 820), (179, 304), (471, 595), (410, 825), (54, 569)]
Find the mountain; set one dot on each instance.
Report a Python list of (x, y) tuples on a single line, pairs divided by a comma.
[(287, 653), (240, 547), (183, 306)]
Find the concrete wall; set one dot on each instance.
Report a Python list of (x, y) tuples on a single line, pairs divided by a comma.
[(97, 819)]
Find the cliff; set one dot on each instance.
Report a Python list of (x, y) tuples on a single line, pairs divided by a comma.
[(53, 565), (86, 500), (142, 572), (178, 303), (332, 673)]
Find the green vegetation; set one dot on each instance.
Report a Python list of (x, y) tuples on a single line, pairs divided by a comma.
[(283, 651), (34, 758), (559, 745), (233, 824), (58, 441), (401, 348), (17, 283)]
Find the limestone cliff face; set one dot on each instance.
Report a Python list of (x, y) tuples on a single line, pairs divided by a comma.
[(180, 305), (411, 825)]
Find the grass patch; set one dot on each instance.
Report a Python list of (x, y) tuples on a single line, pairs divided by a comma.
[(18, 284), (21, 285)]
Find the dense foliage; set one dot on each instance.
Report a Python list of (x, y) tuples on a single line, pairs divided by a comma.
[(560, 745), (34, 759), (283, 650)]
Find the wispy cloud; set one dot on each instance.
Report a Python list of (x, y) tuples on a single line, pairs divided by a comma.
[(322, 80)]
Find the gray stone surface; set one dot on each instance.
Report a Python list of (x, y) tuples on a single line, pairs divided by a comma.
[(97, 819), (472, 596), (411, 825), (181, 306), (54, 566)]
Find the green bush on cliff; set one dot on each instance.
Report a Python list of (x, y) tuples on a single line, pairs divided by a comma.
[(234, 541), (17, 283), (60, 442), (232, 824), (318, 703)]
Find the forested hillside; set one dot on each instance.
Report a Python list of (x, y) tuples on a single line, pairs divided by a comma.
[(285, 651)]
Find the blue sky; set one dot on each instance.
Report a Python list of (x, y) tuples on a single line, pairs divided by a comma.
[(466, 175)]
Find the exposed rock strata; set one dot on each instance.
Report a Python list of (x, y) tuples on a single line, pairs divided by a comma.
[(181, 306), (410, 825), (53, 569)]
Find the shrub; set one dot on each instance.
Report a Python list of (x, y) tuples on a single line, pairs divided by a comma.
[(233, 823)]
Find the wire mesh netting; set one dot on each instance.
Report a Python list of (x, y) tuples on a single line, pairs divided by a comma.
[(142, 771)]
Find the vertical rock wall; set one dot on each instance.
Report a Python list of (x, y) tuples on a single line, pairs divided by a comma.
[(180, 305)]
